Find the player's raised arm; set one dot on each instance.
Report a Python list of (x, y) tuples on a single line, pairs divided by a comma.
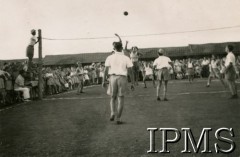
[(120, 40), (126, 45)]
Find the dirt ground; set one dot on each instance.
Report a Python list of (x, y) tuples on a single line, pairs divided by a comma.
[(78, 125)]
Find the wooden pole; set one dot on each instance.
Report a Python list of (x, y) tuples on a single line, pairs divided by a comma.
[(40, 63)]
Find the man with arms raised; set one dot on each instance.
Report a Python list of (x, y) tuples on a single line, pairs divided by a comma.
[(117, 66)]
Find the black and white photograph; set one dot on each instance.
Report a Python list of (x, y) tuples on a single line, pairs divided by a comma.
[(119, 78)]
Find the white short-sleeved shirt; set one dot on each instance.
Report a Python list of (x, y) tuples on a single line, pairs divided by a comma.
[(79, 71), (148, 70), (190, 65), (214, 64), (205, 62), (230, 59), (134, 56), (162, 62), (118, 64), (19, 81), (33, 40)]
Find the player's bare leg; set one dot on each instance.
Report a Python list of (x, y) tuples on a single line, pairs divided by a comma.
[(165, 91), (113, 107), (158, 89), (120, 109)]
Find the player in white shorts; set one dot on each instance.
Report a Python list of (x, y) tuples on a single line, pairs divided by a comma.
[(214, 71)]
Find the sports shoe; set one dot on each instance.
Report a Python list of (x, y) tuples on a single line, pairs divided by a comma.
[(119, 122), (234, 96), (112, 118), (165, 99)]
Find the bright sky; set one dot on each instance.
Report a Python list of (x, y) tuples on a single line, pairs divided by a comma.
[(98, 18)]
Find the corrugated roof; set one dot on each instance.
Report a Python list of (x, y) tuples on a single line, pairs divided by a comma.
[(148, 53), (74, 58), (213, 48)]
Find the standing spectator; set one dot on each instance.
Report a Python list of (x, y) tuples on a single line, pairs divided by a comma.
[(80, 75), (198, 69), (50, 82), (230, 73), (57, 81), (94, 73), (86, 76), (101, 72)]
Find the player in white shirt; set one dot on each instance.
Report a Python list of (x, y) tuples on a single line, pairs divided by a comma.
[(230, 72), (148, 73), (214, 71), (118, 66), (161, 64), (205, 67)]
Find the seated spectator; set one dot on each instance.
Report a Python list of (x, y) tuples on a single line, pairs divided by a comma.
[(19, 86)]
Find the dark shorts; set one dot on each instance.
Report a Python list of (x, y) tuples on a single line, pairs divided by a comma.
[(230, 74), (30, 51), (135, 67), (190, 71)]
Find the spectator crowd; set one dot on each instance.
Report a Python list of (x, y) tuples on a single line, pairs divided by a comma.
[(18, 84)]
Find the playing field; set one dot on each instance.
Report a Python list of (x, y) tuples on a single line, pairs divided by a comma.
[(78, 125)]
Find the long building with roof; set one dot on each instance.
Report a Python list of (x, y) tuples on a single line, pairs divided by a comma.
[(192, 50)]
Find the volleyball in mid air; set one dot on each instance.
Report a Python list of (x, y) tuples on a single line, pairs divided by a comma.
[(125, 13)]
